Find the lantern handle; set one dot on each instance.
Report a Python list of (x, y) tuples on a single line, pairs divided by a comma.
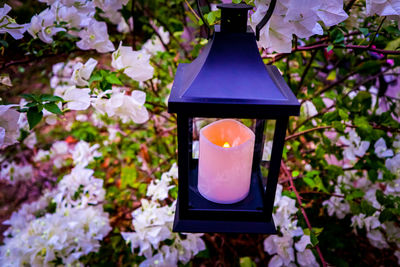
[(266, 18), (208, 29)]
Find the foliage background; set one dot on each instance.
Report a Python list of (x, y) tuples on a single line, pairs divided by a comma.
[(346, 79)]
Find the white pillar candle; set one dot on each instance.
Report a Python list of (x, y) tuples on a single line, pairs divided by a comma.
[(225, 161)]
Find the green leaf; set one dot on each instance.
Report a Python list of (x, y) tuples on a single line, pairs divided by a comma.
[(363, 124), (53, 108), (309, 181), (295, 173), (247, 262), (393, 45), (339, 126), (95, 77), (30, 97), (364, 31), (386, 215), (332, 75), (34, 116), (113, 79), (343, 114), (314, 239), (358, 193), (51, 98), (367, 208), (4, 43), (128, 176), (329, 48), (337, 36)]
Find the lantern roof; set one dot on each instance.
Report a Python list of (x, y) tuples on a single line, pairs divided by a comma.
[(231, 73)]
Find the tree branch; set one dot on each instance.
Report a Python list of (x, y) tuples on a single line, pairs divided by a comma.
[(289, 175)]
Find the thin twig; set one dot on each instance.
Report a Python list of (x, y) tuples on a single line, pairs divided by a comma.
[(303, 76), (191, 10), (289, 175), (293, 136), (376, 33)]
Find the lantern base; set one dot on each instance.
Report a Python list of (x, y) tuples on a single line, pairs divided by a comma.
[(221, 226)]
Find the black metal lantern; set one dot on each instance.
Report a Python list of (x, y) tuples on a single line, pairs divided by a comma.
[(230, 80)]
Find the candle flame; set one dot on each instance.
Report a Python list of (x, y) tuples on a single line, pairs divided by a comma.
[(226, 145)]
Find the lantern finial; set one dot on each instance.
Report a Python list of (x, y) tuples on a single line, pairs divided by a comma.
[(234, 17)]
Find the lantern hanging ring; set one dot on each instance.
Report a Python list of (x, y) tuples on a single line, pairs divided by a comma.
[(259, 26)]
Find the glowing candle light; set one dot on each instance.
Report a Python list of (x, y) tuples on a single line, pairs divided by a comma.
[(226, 145), (225, 161)]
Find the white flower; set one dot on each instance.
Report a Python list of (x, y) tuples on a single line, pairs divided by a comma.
[(158, 189), (298, 17), (58, 151), (308, 109), (397, 254), (72, 231), (5, 79), (95, 36), (276, 34), (77, 99), (9, 130), (370, 222), (80, 181), (393, 164), (82, 73), (110, 9), (41, 155), (153, 45), (125, 107), (83, 153), (381, 150), (42, 26), (370, 196), (275, 261), (355, 147), (124, 27), (135, 64), (393, 187), (30, 140), (8, 25), (281, 245), (302, 243), (307, 258), (382, 7), (67, 233), (14, 172), (302, 14), (377, 239), (337, 205), (331, 12), (153, 224), (267, 151), (285, 209)]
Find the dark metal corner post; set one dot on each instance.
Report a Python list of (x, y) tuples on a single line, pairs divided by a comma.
[(230, 80)]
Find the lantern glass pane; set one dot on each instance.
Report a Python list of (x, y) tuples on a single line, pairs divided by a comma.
[(199, 123), (267, 148)]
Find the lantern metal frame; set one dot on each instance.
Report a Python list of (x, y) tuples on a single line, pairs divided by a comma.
[(230, 80)]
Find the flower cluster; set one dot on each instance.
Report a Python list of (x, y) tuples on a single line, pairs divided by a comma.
[(292, 239), (69, 78), (380, 231), (76, 18), (153, 225), (61, 226), (299, 17), (14, 172), (9, 25)]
